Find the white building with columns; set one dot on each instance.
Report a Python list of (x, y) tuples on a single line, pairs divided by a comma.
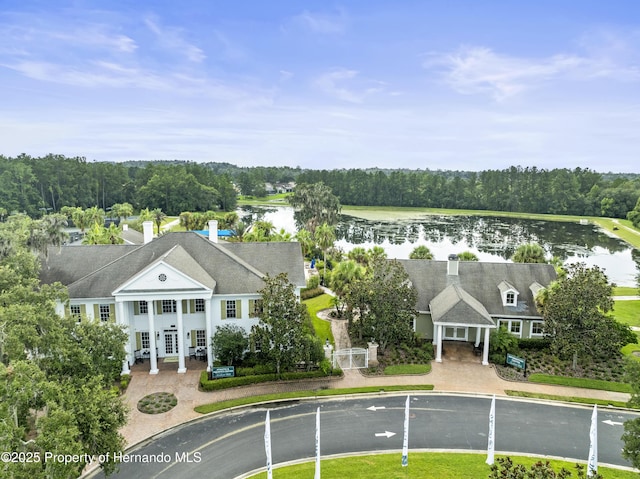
[(172, 292)]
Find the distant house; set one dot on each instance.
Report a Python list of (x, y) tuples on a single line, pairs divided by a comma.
[(285, 187), (270, 189), (173, 292), (465, 300)]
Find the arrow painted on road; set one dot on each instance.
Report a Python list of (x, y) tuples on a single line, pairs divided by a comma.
[(375, 408), (386, 434), (612, 423)]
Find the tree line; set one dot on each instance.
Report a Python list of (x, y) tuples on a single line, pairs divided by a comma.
[(40, 185), (580, 191)]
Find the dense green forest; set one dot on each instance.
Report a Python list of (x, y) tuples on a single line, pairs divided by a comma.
[(37, 185), (532, 190), (44, 184)]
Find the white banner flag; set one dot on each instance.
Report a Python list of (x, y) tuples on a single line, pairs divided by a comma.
[(592, 466), (267, 445), (405, 440), (317, 475), (492, 431)]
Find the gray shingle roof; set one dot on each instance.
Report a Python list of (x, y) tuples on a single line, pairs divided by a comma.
[(480, 280), (96, 271), (455, 305)]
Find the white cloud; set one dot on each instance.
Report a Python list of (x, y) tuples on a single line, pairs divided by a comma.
[(172, 38), (477, 70), (480, 70), (323, 23), (345, 85)]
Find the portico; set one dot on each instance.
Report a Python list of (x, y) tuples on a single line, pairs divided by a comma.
[(456, 314)]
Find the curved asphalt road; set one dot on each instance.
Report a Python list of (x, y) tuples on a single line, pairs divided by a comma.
[(228, 445)]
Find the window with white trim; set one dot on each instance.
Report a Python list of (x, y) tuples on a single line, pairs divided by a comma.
[(510, 298), (515, 327), (199, 304), (231, 308), (145, 343), (143, 307), (537, 328), (105, 312), (201, 338), (76, 312), (169, 306)]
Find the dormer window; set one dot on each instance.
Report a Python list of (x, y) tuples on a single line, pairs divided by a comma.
[(508, 293)]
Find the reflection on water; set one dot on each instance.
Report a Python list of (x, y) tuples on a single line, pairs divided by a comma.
[(491, 238)]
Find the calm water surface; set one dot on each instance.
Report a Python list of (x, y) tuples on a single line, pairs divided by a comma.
[(491, 238)]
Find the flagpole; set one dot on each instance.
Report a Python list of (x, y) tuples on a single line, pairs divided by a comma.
[(405, 440), (267, 445), (592, 467), (492, 432), (317, 474)]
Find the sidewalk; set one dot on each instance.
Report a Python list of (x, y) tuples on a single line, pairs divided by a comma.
[(452, 375)]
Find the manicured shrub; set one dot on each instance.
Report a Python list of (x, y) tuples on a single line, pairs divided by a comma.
[(226, 383)]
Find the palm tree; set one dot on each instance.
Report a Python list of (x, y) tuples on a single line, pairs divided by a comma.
[(468, 256), (529, 253), (359, 255), (344, 274), (325, 237), (158, 217), (421, 252), (303, 237)]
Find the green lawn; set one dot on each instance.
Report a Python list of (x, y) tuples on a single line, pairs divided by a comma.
[(580, 383), (627, 312), (555, 397), (407, 369), (322, 327), (432, 465), (618, 229), (279, 199), (625, 291)]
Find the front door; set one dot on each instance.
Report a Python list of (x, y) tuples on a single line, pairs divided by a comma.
[(456, 333), (171, 342)]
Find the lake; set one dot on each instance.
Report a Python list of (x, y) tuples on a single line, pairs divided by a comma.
[(490, 238)]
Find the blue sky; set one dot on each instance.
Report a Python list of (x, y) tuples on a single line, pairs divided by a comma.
[(466, 85)]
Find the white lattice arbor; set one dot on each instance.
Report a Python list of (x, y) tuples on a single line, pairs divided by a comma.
[(354, 358)]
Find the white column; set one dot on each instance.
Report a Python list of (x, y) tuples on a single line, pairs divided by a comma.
[(181, 366), (478, 330), (439, 345), (209, 332), (121, 320), (435, 335), (153, 350), (485, 348)]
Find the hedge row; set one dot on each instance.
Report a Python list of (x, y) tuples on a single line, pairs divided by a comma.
[(226, 383), (533, 344), (310, 293)]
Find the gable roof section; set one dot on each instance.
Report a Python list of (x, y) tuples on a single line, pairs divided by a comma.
[(233, 270), (504, 286), (178, 260), (455, 306), (481, 280)]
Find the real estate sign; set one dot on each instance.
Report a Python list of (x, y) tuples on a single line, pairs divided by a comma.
[(516, 361), (222, 372)]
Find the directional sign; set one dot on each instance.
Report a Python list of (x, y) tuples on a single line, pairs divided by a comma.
[(222, 372), (612, 423), (516, 361), (386, 434), (375, 408)]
